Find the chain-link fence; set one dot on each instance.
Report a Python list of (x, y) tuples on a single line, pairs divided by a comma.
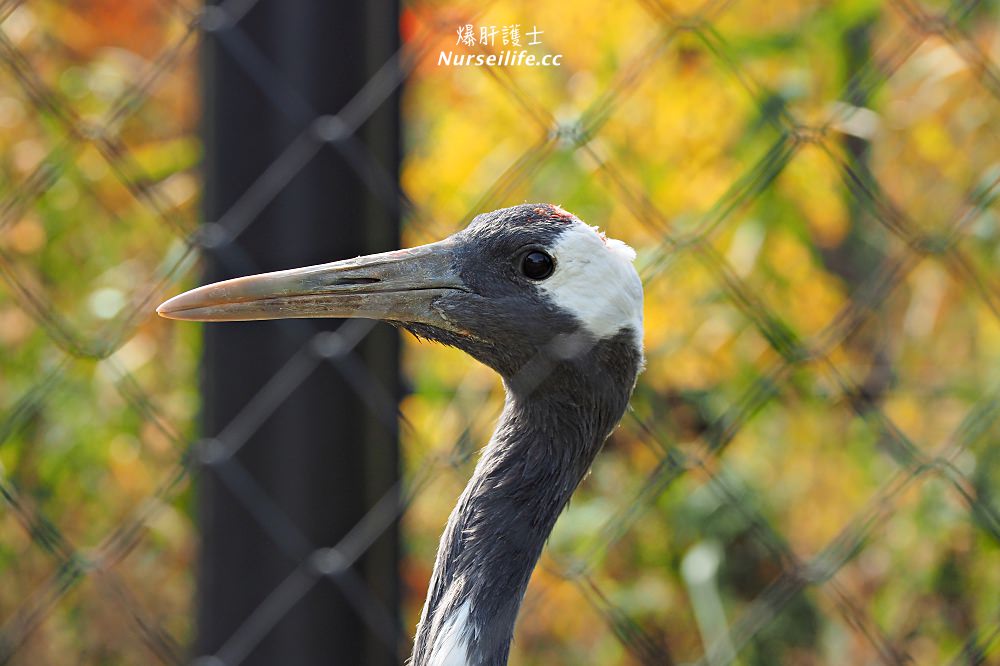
[(808, 472)]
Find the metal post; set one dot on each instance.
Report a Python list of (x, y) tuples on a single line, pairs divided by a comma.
[(321, 457)]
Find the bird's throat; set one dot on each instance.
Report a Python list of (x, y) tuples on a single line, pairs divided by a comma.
[(544, 444), (492, 542)]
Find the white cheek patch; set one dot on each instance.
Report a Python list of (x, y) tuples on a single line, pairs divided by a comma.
[(595, 280)]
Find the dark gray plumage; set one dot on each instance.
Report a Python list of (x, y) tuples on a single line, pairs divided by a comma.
[(545, 442), (568, 361), (566, 391)]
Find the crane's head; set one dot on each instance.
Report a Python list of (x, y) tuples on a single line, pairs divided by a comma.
[(517, 282)]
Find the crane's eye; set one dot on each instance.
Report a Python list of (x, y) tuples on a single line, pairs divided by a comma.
[(537, 265)]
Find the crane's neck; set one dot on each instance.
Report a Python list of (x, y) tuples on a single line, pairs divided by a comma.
[(555, 419)]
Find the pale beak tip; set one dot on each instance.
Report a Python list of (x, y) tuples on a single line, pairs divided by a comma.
[(168, 309)]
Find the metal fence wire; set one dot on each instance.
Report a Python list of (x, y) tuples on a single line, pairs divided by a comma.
[(809, 470)]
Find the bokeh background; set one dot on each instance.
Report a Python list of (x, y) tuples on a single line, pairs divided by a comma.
[(809, 472)]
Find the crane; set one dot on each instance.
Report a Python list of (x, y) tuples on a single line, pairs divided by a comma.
[(555, 308)]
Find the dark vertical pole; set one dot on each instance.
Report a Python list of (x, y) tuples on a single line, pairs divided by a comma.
[(321, 458)]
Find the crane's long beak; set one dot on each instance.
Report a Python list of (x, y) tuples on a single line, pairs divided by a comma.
[(393, 286)]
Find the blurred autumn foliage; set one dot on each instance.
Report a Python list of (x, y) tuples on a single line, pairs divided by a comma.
[(809, 472), (98, 109)]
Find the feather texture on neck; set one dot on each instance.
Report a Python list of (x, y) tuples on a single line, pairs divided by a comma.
[(547, 437)]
